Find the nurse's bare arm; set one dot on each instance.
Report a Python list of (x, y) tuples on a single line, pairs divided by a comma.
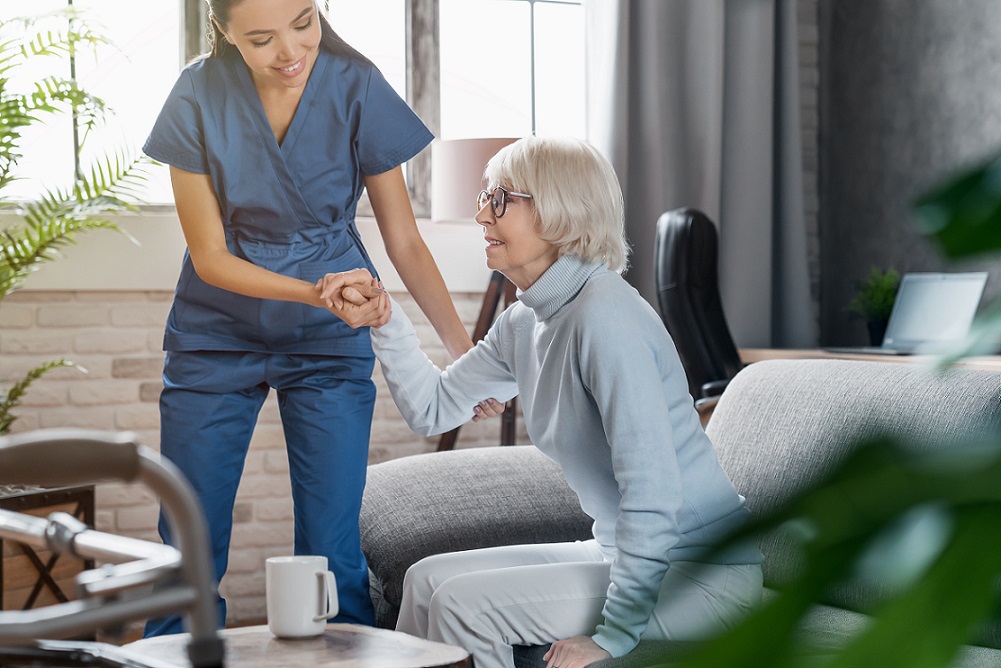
[(412, 259), (198, 210)]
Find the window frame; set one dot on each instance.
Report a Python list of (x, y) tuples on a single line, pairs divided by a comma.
[(423, 91)]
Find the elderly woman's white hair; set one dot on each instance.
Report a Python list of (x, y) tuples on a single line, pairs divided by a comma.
[(575, 192)]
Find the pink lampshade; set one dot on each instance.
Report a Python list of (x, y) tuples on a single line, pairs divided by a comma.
[(457, 175)]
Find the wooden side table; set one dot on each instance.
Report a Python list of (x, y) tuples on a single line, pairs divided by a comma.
[(31, 578), (340, 646)]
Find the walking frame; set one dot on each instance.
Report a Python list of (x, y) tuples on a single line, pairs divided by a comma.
[(134, 579)]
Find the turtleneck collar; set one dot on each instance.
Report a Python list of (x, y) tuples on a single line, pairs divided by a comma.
[(559, 285)]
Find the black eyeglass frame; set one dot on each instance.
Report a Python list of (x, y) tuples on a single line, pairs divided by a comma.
[(498, 206)]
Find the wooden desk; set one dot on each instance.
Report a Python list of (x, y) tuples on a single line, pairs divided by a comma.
[(340, 646), (750, 355)]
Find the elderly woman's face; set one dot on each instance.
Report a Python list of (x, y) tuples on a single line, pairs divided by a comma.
[(514, 246)]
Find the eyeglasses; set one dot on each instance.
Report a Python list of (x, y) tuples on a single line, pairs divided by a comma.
[(498, 200)]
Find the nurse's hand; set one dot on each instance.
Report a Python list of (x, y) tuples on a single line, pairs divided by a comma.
[(356, 298), (359, 311), (331, 287)]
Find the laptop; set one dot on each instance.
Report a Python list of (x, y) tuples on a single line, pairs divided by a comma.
[(931, 313)]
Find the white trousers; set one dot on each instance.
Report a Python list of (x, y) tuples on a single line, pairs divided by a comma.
[(487, 600)]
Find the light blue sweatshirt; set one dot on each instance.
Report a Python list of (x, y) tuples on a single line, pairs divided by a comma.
[(604, 395)]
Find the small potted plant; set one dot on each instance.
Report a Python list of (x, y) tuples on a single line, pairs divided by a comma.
[(874, 299)]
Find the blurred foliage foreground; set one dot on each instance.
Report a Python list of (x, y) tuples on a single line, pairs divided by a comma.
[(928, 523)]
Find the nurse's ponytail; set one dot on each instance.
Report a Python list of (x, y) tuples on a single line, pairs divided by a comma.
[(218, 13), (218, 44)]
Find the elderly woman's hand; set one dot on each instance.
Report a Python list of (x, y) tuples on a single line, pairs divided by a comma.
[(576, 652), (487, 408)]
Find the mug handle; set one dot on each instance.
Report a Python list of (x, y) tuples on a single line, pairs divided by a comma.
[(327, 583)]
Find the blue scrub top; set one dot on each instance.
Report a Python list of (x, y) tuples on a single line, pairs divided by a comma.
[(287, 208)]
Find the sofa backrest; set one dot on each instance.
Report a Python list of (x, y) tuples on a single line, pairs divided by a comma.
[(781, 424)]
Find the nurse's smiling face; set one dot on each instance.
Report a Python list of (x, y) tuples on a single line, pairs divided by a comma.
[(278, 39)]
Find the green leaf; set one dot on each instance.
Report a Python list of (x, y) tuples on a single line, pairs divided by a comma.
[(848, 512), (946, 604), (17, 391), (964, 215)]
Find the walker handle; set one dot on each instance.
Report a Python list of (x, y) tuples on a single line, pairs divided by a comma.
[(67, 457)]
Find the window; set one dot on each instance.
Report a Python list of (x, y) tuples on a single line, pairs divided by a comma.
[(495, 79), (133, 75), (477, 68), (510, 68), (468, 68), (377, 28)]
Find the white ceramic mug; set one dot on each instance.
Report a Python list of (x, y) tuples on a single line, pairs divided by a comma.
[(301, 595)]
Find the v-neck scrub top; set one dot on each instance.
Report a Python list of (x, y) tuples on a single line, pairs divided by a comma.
[(288, 208)]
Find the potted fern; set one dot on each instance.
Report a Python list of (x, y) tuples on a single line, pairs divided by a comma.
[(34, 232)]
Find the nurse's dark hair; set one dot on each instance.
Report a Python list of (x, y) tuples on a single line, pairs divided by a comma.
[(218, 46)]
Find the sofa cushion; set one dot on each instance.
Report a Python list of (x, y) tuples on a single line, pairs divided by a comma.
[(782, 424), (459, 500)]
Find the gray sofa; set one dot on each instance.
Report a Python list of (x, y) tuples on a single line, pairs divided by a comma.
[(778, 426)]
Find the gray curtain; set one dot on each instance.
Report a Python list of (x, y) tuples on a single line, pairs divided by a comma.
[(696, 103)]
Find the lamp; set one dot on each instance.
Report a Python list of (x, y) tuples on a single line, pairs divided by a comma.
[(457, 175), (456, 178)]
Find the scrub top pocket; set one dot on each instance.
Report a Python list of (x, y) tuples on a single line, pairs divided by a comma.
[(211, 312)]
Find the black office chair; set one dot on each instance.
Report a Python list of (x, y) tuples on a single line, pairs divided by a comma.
[(687, 276)]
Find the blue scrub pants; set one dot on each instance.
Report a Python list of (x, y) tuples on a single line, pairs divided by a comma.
[(208, 410)]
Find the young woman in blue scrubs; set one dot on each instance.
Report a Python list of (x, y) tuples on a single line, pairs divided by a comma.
[(271, 139)]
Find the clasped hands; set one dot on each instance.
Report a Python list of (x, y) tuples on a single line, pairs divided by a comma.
[(359, 299), (355, 297)]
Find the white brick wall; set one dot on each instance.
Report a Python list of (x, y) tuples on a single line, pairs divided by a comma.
[(116, 337)]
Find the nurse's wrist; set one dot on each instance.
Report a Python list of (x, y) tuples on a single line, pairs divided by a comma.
[(309, 294)]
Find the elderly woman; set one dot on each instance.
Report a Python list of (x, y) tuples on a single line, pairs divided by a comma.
[(605, 396)]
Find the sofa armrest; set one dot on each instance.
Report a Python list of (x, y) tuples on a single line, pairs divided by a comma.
[(459, 500)]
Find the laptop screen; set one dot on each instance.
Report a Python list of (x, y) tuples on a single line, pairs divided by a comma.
[(933, 310)]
